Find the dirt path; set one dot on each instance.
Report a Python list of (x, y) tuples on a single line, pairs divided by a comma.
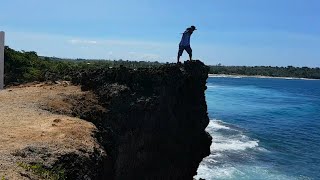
[(26, 130)]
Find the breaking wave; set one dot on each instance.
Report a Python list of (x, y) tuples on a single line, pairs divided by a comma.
[(231, 153)]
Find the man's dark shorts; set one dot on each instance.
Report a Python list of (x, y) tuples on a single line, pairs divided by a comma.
[(182, 48)]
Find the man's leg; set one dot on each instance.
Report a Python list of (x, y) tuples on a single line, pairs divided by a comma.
[(179, 53), (189, 51)]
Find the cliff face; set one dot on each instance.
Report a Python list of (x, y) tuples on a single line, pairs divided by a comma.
[(153, 121)]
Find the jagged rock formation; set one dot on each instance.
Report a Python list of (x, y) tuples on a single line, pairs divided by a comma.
[(152, 121)]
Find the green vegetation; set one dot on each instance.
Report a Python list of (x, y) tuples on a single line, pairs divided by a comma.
[(56, 173), (290, 71), (22, 67)]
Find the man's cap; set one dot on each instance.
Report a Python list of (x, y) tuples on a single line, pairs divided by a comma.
[(193, 27)]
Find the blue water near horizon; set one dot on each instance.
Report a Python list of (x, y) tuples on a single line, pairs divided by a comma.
[(263, 129)]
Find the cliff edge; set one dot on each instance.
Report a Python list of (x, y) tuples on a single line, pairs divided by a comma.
[(153, 120)]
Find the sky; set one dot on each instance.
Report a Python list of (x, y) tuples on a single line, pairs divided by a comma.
[(230, 32)]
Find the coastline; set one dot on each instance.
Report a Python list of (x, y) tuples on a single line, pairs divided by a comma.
[(257, 76)]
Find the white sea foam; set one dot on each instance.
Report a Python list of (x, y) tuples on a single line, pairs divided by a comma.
[(212, 158), (232, 145), (216, 125), (236, 142), (239, 172), (226, 138), (212, 86), (208, 173), (237, 77), (263, 150), (224, 76)]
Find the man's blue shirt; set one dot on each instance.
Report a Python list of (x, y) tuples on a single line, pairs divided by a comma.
[(185, 40)]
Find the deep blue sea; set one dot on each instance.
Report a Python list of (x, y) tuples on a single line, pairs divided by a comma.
[(263, 129)]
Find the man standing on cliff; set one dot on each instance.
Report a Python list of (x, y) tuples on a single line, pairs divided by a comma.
[(185, 43)]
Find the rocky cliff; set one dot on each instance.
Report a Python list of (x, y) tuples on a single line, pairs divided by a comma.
[(151, 121)]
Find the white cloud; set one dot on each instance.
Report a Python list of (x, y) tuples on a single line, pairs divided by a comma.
[(79, 41), (81, 47), (141, 56), (151, 57)]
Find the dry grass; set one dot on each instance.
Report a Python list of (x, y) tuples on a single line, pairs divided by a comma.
[(23, 124)]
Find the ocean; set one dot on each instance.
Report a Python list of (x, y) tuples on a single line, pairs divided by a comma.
[(263, 128)]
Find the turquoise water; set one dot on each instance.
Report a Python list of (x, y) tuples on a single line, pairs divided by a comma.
[(263, 129)]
